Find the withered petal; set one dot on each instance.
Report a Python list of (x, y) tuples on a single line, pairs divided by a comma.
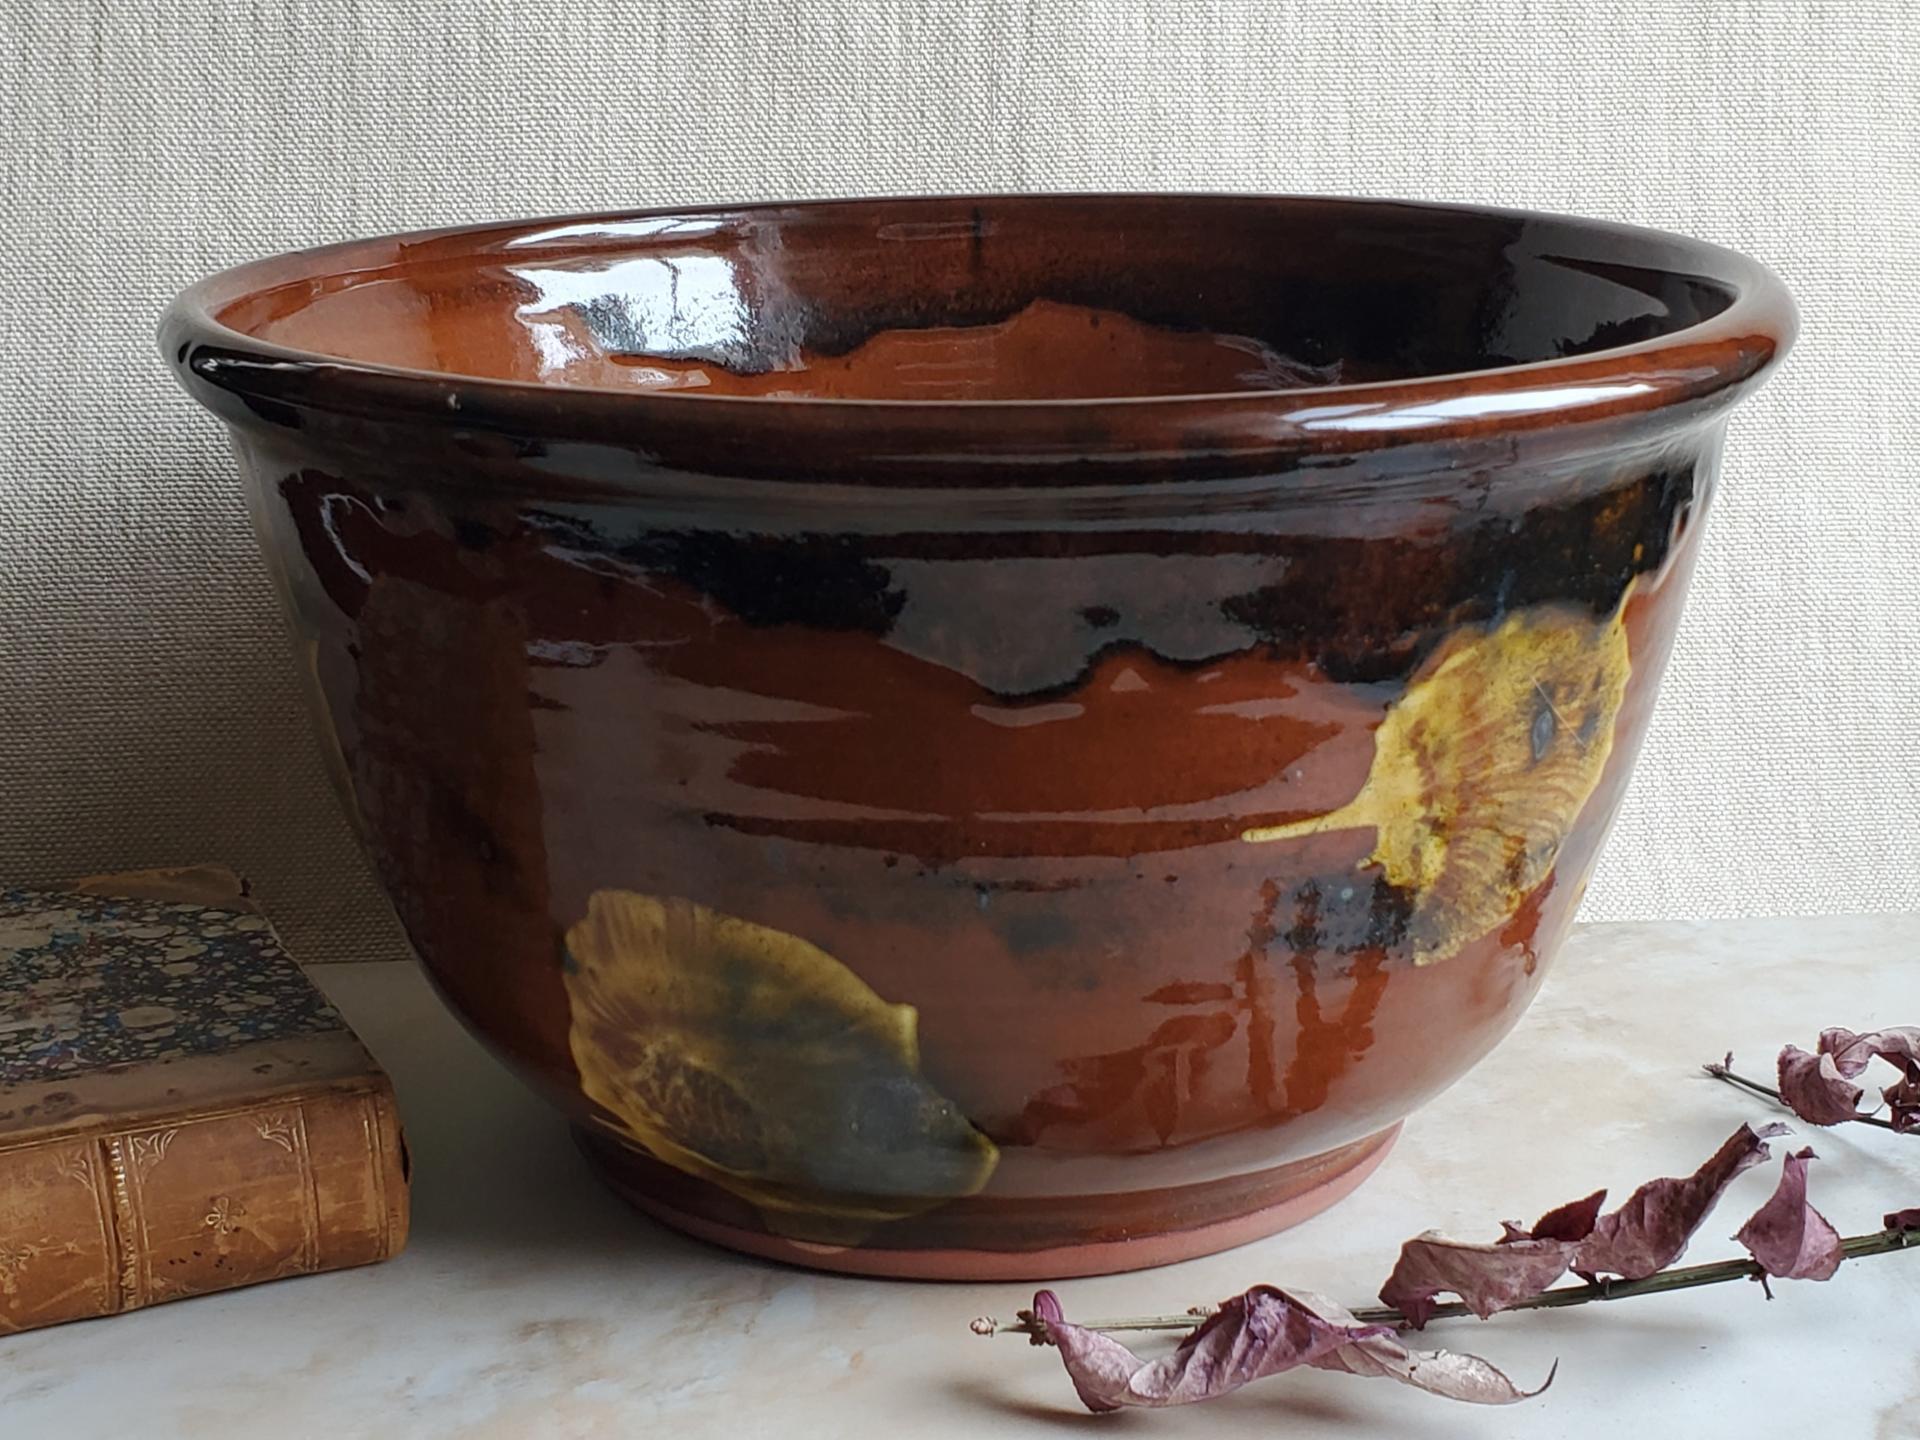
[(1815, 1087), (1651, 1230), (1264, 1331), (1439, 1372), (1791, 1239), (1488, 1278), (1572, 1221), (1899, 1044)]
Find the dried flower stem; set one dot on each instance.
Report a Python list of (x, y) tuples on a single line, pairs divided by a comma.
[(1685, 1278), (1720, 1071), (1025, 1325)]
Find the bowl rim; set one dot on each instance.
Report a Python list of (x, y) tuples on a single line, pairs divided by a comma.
[(1705, 365)]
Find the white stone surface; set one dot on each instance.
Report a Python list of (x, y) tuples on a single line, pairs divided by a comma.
[(531, 1305)]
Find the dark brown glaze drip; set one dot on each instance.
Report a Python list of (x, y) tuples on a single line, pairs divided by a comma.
[(1327, 1047), (1253, 982), (1373, 608), (1364, 609), (880, 729), (1166, 1077), (940, 765)]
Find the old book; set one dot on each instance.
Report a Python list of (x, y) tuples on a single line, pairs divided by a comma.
[(180, 1109)]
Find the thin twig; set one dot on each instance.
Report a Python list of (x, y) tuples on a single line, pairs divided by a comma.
[(1720, 1071), (1025, 1325), (1854, 1247)]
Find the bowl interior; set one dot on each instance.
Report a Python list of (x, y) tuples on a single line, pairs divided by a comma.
[(1010, 299)]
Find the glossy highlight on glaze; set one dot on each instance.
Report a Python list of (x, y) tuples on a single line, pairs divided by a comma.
[(986, 737)]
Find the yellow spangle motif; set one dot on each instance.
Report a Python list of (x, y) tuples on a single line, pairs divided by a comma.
[(756, 1061), (1481, 768)]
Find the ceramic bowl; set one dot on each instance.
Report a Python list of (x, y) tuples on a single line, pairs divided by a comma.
[(985, 737)]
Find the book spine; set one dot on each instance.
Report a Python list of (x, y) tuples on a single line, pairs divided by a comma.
[(92, 1223)]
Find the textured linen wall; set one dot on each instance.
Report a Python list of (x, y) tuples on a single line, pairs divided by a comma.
[(147, 705)]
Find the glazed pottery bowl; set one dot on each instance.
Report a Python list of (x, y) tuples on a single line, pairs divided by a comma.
[(1001, 737)]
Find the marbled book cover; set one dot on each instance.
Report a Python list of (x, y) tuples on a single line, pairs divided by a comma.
[(180, 1108)]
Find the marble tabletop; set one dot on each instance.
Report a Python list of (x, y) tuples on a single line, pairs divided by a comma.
[(530, 1304)]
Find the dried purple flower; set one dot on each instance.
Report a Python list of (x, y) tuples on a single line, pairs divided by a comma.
[(1819, 1088), (1790, 1238), (1645, 1235), (1651, 1230), (1439, 1372), (1813, 1087), (1902, 1221), (1264, 1331), (1489, 1278)]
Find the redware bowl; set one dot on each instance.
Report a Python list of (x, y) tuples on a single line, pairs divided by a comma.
[(991, 737)]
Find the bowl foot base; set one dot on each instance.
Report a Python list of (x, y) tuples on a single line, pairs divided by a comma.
[(1188, 1222)]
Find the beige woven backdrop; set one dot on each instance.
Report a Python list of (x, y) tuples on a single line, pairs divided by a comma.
[(147, 712)]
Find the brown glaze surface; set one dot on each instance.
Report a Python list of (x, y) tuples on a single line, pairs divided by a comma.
[(934, 726)]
